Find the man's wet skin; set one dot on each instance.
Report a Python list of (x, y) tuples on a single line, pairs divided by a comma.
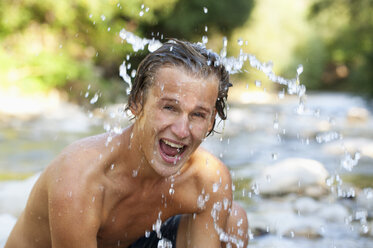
[(82, 200)]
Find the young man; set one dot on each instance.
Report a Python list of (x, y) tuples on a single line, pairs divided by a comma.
[(151, 185)]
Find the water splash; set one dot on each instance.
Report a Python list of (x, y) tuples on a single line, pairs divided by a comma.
[(348, 162), (157, 225), (125, 76), (139, 43), (94, 99), (327, 137), (232, 64)]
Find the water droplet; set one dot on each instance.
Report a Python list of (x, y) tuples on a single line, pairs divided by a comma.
[(206, 28), (147, 234), (171, 191), (113, 219), (299, 69), (147, 10), (281, 94), (142, 6), (70, 194), (205, 10), (133, 73), (268, 178), (205, 39), (112, 167), (348, 162), (275, 124), (365, 228), (274, 156), (134, 173), (200, 201), (90, 15), (141, 13), (103, 18), (86, 94), (154, 45), (240, 42), (93, 199), (215, 187), (94, 99), (108, 29), (164, 243)]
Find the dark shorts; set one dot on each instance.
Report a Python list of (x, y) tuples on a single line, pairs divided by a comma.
[(169, 232)]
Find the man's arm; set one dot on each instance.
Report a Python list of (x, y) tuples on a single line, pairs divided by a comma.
[(207, 228), (74, 205)]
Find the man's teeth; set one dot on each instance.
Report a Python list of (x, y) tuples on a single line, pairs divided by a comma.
[(172, 144)]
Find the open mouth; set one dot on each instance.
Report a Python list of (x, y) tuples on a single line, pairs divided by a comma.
[(171, 152)]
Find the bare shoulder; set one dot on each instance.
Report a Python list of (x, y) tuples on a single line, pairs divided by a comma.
[(209, 166), (75, 176), (212, 173), (79, 157)]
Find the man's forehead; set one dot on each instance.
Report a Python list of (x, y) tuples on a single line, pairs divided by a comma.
[(177, 76)]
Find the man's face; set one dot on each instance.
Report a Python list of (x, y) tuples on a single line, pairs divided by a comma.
[(178, 112)]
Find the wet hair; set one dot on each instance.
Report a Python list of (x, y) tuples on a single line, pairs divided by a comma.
[(194, 58)]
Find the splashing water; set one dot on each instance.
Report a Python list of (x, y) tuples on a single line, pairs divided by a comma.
[(139, 43), (157, 225), (125, 76), (232, 64)]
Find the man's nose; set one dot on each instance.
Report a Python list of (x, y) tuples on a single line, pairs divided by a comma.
[(181, 127)]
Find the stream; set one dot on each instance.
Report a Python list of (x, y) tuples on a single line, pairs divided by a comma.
[(305, 179)]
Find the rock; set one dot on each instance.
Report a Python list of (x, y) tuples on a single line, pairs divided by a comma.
[(306, 205), (351, 145), (333, 212), (276, 216), (357, 114), (14, 195), (294, 175), (285, 223)]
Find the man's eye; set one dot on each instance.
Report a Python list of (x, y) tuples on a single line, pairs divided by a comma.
[(169, 107), (200, 115)]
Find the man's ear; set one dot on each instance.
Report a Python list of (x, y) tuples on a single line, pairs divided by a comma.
[(136, 109), (136, 106)]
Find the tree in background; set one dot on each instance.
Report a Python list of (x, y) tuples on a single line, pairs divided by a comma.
[(339, 55)]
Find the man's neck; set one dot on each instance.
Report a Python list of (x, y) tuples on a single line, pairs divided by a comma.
[(132, 157)]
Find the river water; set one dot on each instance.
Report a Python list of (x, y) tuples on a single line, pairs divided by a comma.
[(335, 131)]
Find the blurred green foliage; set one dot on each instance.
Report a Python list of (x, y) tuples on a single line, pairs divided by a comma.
[(74, 45), (339, 54)]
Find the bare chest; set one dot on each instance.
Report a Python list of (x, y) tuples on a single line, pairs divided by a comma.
[(139, 214)]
